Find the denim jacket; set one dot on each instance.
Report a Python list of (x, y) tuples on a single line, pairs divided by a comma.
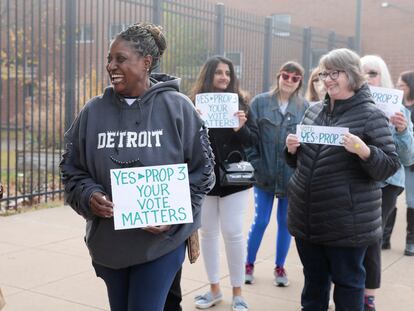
[(404, 143), (271, 171)]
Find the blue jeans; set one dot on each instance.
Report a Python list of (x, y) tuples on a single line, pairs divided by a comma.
[(144, 286), (340, 265), (263, 207)]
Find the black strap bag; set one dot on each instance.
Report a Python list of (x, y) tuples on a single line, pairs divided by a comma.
[(240, 173)]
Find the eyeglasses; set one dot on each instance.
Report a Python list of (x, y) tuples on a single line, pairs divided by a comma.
[(372, 74), (334, 74), (290, 76)]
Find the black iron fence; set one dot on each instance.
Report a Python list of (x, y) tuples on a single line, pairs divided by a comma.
[(52, 60)]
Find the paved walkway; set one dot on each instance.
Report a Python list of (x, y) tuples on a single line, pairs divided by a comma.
[(44, 266)]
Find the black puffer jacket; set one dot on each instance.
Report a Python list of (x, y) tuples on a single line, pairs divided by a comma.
[(334, 196)]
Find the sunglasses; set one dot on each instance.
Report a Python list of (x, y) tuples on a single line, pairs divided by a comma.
[(290, 76), (372, 74)]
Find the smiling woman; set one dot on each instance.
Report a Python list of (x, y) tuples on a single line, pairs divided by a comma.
[(224, 207), (276, 113), (140, 120), (132, 56), (334, 193)]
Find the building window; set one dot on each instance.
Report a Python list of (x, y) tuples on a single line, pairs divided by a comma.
[(281, 25), (236, 58), (84, 34), (114, 29)]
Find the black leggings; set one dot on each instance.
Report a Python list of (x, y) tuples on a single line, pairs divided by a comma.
[(372, 260)]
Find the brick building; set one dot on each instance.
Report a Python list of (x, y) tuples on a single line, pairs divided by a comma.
[(386, 27)]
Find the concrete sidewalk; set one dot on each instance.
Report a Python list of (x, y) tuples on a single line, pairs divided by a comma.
[(44, 265)]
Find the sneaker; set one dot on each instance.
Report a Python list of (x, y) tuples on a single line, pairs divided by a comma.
[(280, 277), (369, 303), (409, 249), (248, 277), (207, 300), (239, 304)]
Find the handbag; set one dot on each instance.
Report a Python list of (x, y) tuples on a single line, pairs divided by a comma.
[(239, 173), (193, 247)]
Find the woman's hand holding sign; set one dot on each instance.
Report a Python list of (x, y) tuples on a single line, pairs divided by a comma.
[(354, 144), (292, 143), (100, 205), (399, 121), (242, 119)]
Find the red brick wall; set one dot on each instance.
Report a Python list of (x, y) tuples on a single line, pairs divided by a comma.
[(387, 32)]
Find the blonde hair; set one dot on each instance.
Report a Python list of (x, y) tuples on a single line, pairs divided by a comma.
[(376, 62), (311, 94)]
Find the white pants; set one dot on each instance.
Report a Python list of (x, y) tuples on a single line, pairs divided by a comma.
[(226, 213)]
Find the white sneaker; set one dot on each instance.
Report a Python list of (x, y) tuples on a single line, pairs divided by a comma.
[(239, 304), (248, 276), (207, 300), (281, 279)]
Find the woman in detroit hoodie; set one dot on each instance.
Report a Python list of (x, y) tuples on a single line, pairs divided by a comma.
[(141, 120)]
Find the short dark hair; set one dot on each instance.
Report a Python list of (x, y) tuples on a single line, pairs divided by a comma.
[(408, 78), (146, 39)]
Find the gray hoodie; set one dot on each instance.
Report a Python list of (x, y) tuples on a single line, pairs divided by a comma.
[(160, 127)]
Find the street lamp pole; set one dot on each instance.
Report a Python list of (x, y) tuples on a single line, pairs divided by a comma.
[(358, 26)]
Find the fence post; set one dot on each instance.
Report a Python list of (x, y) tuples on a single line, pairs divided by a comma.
[(267, 52), (219, 46), (331, 40), (70, 61), (351, 43), (157, 20), (157, 12), (306, 54)]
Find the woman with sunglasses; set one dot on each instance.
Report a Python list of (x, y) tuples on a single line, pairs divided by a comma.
[(334, 193), (276, 114), (377, 74)]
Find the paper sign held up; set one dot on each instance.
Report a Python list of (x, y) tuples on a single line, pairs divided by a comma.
[(324, 135), (151, 196), (388, 100), (218, 109)]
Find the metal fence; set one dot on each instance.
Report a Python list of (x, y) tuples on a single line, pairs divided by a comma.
[(53, 55)]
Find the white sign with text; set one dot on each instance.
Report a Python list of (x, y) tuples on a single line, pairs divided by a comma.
[(324, 135), (388, 100), (218, 109), (151, 196)]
